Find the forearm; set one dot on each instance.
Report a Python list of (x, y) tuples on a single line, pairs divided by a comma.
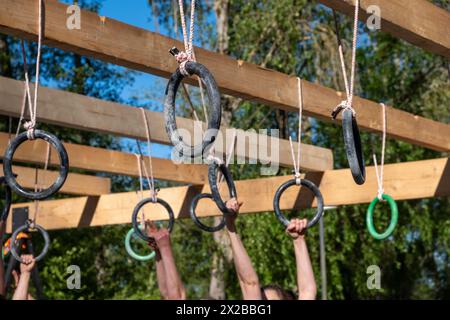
[(248, 279), (174, 285), (305, 275), (161, 275), (21, 292)]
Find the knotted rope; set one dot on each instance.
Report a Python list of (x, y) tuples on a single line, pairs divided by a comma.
[(150, 179), (349, 85), (380, 173), (296, 162), (187, 55)]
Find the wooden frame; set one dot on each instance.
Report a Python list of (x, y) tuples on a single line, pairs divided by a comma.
[(146, 51), (403, 181)]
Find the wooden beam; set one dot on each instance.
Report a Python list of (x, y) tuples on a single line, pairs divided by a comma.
[(122, 44), (403, 181), (107, 161), (419, 22), (85, 113), (76, 184)]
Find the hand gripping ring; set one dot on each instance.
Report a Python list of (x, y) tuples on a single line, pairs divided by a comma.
[(214, 116), (7, 204), (131, 252), (353, 149), (25, 228), (63, 171), (197, 221), (392, 224), (136, 227), (212, 177), (312, 187)]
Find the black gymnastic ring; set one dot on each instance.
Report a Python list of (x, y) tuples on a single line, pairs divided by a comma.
[(312, 187), (212, 178), (139, 206), (197, 221), (353, 148), (63, 171), (214, 115), (8, 197), (26, 228)]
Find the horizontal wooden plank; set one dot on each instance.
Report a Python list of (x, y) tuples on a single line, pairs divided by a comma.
[(419, 22), (85, 113), (138, 49), (76, 184), (403, 181), (107, 161)]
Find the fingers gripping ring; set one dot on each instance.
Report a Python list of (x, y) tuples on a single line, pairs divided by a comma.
[(212, 177), (305, 183), (140, 233), (197, 221), (7, 199), (63, 171), (353, 148), (394, 218), (26, 228), (131, 234), (214, 116)]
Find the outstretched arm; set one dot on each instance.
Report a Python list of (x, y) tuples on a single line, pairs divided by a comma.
[(306, 283), (2, 269), (152, 230), (248, 279), (26, 267)]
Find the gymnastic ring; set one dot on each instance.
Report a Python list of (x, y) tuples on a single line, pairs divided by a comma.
[(394, 218), (312, 187), (214, 115), (353, 148), (139, 206), (8, 197), (197, 221), (130, 250), (26, 228), (212, 177), (63, 171)]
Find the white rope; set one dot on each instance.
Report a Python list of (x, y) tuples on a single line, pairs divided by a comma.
[(186, 55), (141, 182), (380, 173), (349, 84), (150, 179), (31, 125), (296, 162), (229, 154)]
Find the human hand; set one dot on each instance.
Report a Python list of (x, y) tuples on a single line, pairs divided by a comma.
[(297, 228), (234, 205), (161, 236), (27, 264)]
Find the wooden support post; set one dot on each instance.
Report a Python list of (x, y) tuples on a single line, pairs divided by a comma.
[(148, 52), (403, 181)]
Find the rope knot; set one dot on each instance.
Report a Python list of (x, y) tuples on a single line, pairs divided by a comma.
[(30, 127), (182, 58), (343, 105), (298, 178), (380, 194)]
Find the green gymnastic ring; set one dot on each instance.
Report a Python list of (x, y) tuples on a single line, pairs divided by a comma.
[(130, 250), (394, 218)]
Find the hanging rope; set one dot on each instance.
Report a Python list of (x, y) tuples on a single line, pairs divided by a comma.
[(150, 179), (379, 173), (31, 125), (296, 162), (349, 84), (39, 186), (229, 155), (186, 55)]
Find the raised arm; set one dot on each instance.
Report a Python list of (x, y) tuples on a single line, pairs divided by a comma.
[(306, 283), (2, 269), (169, 280), (160, 271), (248, 279), (26, 267)]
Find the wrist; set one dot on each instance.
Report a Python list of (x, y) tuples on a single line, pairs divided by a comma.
[(299, 241)]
